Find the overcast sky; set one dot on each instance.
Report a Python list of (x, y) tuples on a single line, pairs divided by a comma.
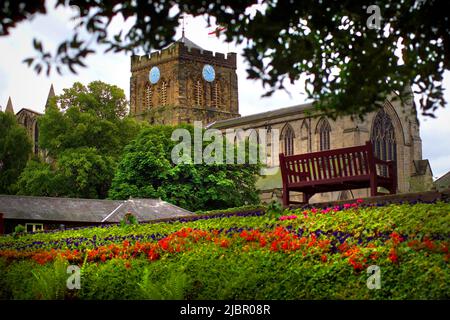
[(28, 90)]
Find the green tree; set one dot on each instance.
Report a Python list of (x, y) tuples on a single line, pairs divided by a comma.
[(349, 62), (80, 173), (84, 132), (147, 171), (15, 148), (104, 100), (87, 117)]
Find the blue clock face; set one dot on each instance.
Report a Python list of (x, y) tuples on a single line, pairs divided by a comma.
[(208, 73), (154, 75)]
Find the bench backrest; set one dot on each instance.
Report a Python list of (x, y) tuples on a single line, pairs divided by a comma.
[(329, 164)]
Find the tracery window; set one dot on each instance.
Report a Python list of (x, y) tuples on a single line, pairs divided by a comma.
[(383, 138), (288, 140), (324, 129)]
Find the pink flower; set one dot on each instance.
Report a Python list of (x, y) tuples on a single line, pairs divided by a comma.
[(314, 210), (336, 208), (360, 201), (347, 205), (291, 217)]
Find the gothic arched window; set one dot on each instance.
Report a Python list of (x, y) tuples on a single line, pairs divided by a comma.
[(148, 96), (288, 140), (323, 130), (383, 138)]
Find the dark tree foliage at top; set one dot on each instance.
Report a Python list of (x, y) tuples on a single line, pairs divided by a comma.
[(283, 40)]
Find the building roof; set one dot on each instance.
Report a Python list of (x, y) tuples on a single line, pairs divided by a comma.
[(29, 110), (422, 166), (187, 42), (86, 210), (262, 116), (190, 44), (443, 182)]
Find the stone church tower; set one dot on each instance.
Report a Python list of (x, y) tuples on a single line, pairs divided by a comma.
[(184, 83)]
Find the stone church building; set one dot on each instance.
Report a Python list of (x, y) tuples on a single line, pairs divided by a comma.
[(185, 83), (28, 118)]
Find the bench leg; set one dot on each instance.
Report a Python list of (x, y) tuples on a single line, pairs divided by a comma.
[(286, 197), (393, 190), (373, 189), (306, 197)]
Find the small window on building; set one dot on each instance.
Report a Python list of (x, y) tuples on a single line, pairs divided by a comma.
[(33, 227)]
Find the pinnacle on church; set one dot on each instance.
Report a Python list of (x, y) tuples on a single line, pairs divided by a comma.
[(51, 94), (9, 106)]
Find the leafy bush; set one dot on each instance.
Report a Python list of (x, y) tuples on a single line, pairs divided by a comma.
[(147, 171)]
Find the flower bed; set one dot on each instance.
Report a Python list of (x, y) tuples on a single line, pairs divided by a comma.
[(313, 253)]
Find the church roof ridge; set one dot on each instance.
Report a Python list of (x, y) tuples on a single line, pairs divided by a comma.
[(263, 115), (30, 110)]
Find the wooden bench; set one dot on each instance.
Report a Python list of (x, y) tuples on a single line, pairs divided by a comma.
[(333, 170)]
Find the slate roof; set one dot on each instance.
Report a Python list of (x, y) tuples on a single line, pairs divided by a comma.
[(262, 116), (443, 182), (422, 166), (86, 210)]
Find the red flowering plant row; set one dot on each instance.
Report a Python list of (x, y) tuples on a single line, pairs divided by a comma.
[(360, 235), (278, 239)]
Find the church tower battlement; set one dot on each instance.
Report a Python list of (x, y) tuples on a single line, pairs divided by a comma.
[(184, 83)]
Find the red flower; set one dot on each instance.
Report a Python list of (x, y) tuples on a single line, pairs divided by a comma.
[(393, 256), (153, 255), (262, 242), (396, 238), (274, 246), (224, 243), (324, 258)]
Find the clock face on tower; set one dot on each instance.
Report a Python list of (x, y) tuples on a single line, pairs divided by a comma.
[(208, 73), (154, 75)]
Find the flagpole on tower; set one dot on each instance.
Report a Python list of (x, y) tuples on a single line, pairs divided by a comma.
[(182, 28)]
